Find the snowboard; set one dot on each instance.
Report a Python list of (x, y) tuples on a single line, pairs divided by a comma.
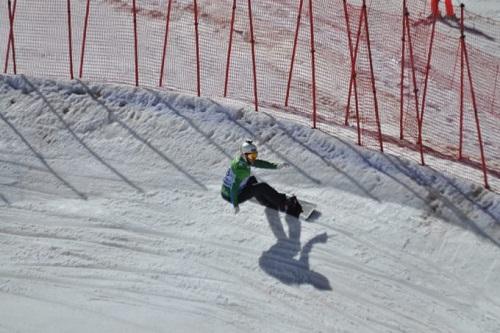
[(308, 209)]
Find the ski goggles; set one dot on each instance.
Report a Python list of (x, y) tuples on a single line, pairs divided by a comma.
[(252, 156)]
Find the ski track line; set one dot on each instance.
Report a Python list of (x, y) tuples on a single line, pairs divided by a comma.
[(139, 293), (101, 314), (52, 232), (145, 278), (146, 229), (137, 287), (104, 243), (44, 171), (380, 277), (363, 241), (124, 231), (354, 295), (264, 291), (423, 265)]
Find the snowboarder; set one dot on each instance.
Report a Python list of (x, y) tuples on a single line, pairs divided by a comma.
[(239, 185)]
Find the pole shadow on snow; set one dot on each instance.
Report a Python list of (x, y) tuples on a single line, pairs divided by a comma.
[(112, 117), (40, 169), (351, 147), (78, 139), (4, 199), (42, 159), (436, 196), (279, 261), (469, 29), (190, 122), (470, 198), (447, 198)]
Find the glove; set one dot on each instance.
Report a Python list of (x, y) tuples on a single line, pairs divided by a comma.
[(236, 209), (283, 165)]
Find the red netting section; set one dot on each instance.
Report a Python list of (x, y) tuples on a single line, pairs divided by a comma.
[(292, 56), (34, 48)]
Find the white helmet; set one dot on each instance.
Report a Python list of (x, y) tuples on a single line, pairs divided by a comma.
[(249, 151), (248, 147)]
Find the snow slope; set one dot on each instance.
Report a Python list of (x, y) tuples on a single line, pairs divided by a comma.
[(112, 221)]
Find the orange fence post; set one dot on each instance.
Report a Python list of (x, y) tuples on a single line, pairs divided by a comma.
[(136, 47), (372, 72), (474, 104), (414, 75), (313, 58), (353, 83), (252, 41), (198, 75), (228, 63), (85, 26), (449, 8), (10, 43), (427, 70), (461, 126), (494, 90), (448, 5), (70, 41), (353, 77), (313, 61), (403, 60), (294, 52), (165, 41), (435, 7)]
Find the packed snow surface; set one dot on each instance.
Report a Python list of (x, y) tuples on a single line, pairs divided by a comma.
[(111, 220)]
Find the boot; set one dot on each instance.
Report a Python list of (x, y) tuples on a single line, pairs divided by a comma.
[(293, 206)]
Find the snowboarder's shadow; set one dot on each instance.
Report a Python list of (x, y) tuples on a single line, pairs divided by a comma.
[(279, 261)]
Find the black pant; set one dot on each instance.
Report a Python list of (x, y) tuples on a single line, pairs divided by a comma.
[(264, 193)]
